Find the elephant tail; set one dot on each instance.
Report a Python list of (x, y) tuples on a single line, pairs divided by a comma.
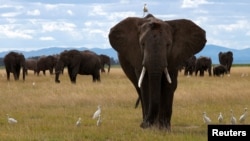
[(137, 102)]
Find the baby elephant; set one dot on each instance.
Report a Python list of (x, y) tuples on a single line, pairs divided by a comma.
[(219, 70)]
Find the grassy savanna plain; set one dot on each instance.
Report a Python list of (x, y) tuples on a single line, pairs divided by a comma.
[(48, 111)]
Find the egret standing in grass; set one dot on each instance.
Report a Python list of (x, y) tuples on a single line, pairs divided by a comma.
[(145, 9), (233, 119), (78, 123), (243, 116), (97, 112), (220, 118), (11, 120), (206, 119)]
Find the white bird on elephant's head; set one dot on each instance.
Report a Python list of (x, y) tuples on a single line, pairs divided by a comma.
[(145, 9), (243, 116)]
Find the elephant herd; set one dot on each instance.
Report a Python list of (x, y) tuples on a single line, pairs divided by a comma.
[(149, 50), (203, 63), (78, 62)]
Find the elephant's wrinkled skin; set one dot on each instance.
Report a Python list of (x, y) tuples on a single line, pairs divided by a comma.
[(150, 51), (78, 62), (13, 62)]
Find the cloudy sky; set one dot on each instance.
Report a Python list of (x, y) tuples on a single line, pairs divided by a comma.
[(35, 24)]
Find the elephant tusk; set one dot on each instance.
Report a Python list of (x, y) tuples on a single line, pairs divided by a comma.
[(141, 76), (167, 75)]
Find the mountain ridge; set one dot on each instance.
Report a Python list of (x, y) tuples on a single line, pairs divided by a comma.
[(240, 56)]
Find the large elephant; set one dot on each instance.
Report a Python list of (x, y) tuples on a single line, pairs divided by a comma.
[(78, 62), (30, 64), (150, 51), (219, 70), (105, 60), (46, 63), (203, 64), (226, 59), (189, 65), (13, 62)]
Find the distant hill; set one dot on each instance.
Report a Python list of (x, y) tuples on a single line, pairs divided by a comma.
[(240, 56), (212, 51), (57, 50)]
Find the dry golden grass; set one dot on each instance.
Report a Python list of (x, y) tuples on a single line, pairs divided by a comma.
[(48, 111)]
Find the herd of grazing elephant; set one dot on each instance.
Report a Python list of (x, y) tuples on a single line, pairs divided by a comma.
[(203, 63), (78, 62), (149, 52)]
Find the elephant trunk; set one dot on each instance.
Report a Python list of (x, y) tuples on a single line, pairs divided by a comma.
[(154, 96)]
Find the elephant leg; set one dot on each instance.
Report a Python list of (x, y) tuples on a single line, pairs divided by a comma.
[(201, 72), (8, 75), (44, 72), (15, 74), (167, 96)]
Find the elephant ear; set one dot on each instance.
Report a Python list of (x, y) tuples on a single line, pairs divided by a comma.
[(124, 38), (188, 39)]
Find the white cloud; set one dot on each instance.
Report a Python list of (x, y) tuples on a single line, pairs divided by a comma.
[(239, 25), (58, 26), (35, 12), (70, 12), (10, 14), (97, 10), (192, 3), (10, 31), (48, 38)]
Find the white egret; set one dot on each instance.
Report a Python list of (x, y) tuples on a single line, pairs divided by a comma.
[(220, 118), (78, 123), (243, 116), (145, 9), (97, 112), (33, 83), (11, 120), (99, 121), (233, 119), (206, 119)]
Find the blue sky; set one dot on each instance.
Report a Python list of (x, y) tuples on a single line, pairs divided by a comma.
[(35, 24)]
